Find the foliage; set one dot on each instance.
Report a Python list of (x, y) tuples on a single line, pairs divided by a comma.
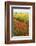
[(21, 24)]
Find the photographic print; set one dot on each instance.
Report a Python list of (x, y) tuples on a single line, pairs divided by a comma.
[(20, 22)]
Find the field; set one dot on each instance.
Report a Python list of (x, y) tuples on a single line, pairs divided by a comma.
[(21, 24)]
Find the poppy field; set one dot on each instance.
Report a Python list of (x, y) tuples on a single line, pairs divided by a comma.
[(20, 24)]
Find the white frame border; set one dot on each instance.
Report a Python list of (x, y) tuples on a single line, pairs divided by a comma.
[(16, 37)]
